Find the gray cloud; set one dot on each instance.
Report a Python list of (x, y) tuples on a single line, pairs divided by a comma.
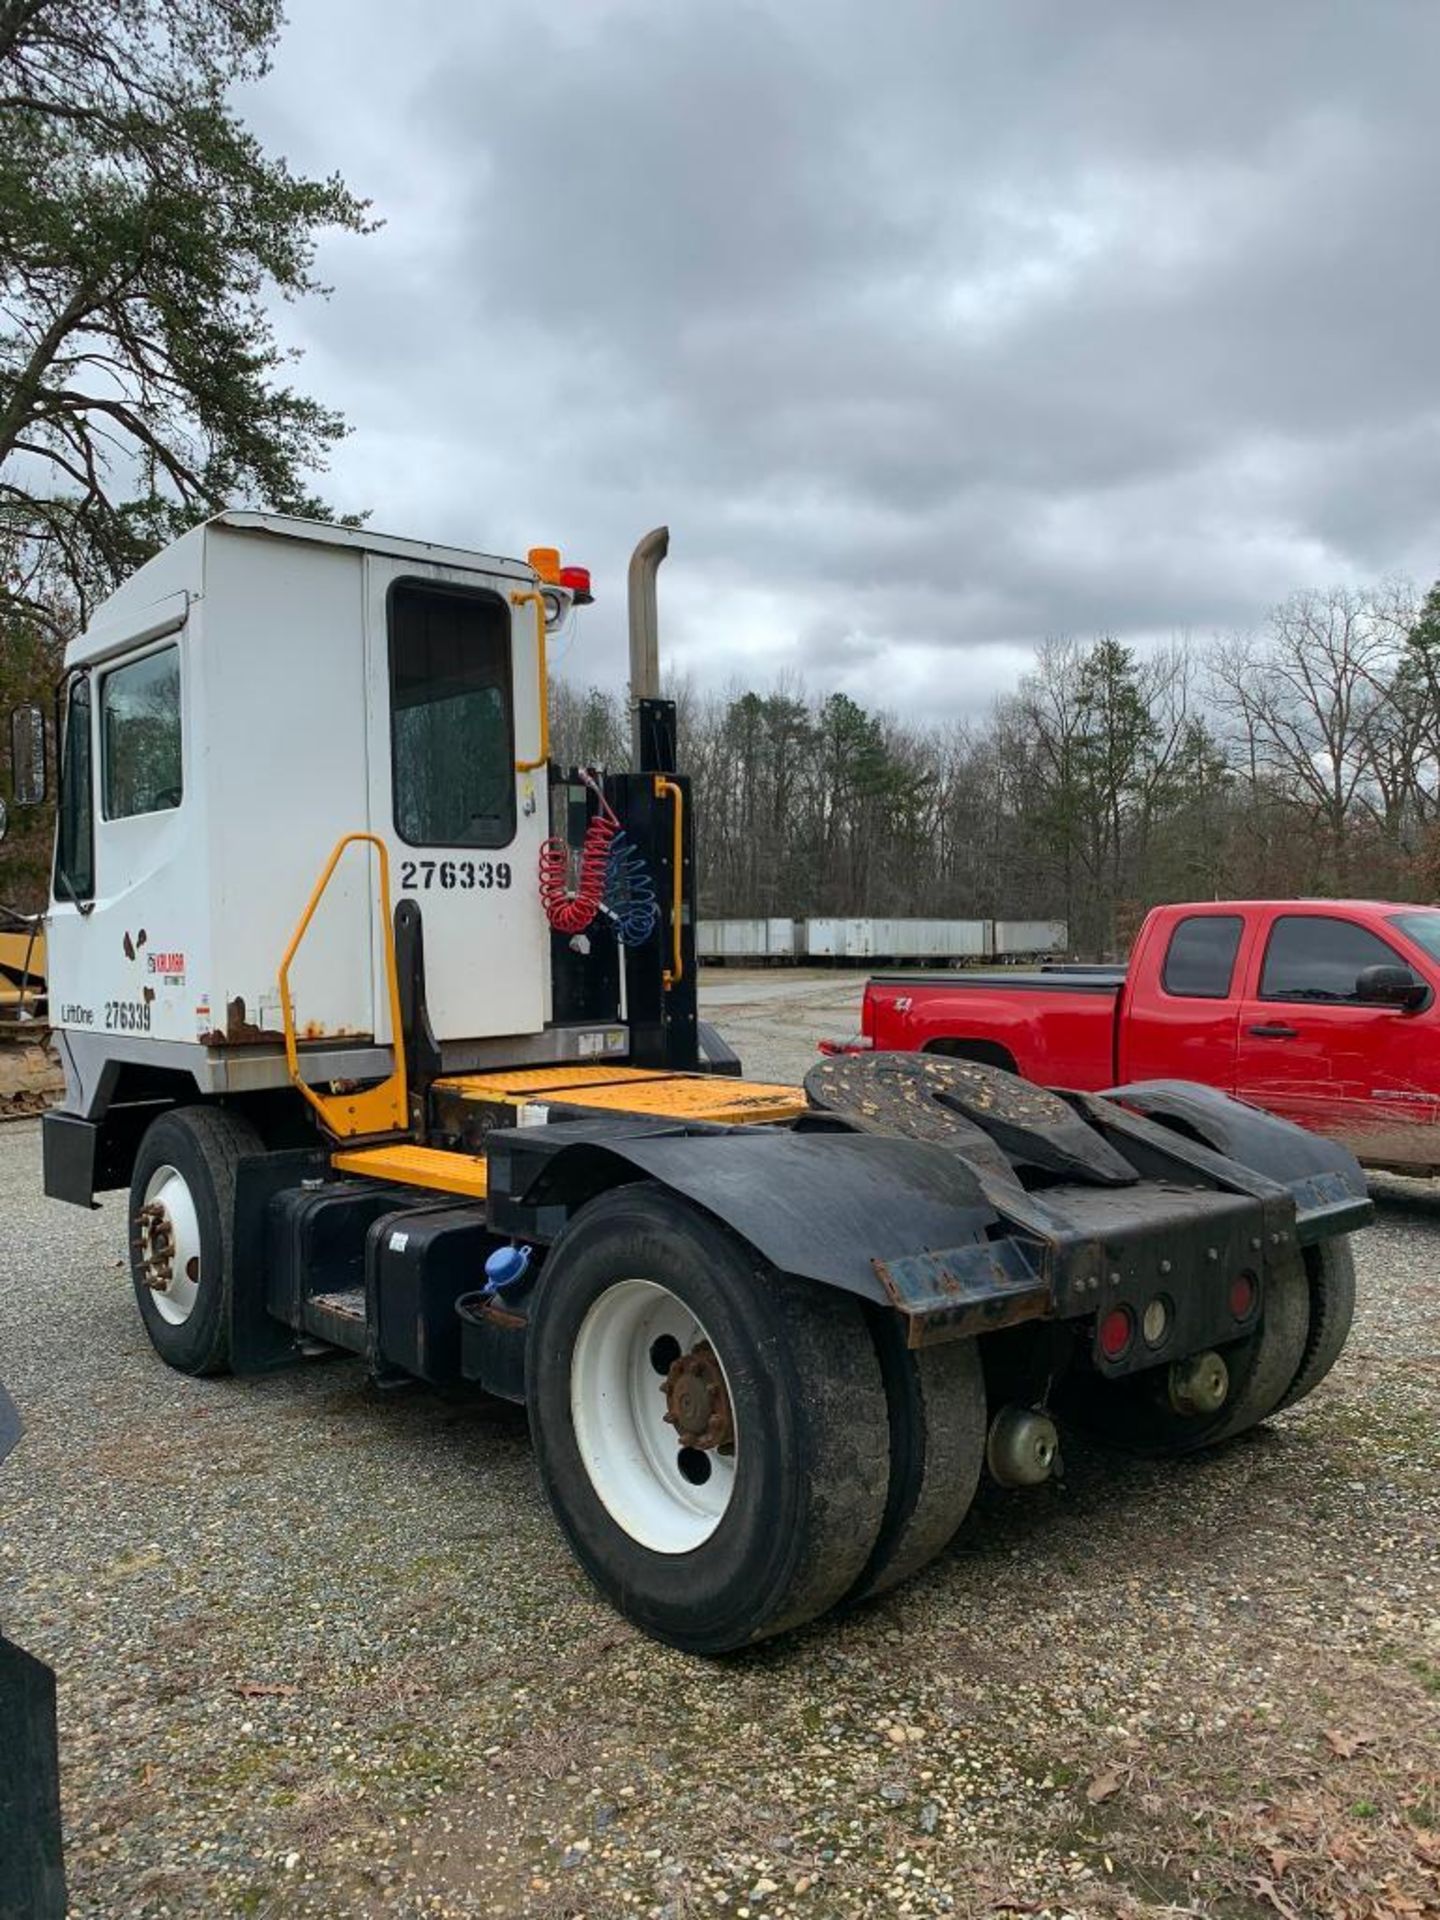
[(932, 329)]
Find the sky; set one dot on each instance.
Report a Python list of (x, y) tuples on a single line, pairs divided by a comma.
[(931, 329)]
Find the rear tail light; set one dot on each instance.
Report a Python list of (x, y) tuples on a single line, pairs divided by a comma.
[(1243, 1295), (1117, 1330)]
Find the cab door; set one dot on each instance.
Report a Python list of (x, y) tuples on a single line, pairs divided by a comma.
[(454, 692), (1179, 1016), (1313, 1052)]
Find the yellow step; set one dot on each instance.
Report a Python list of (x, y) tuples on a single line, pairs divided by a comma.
[(433, 1167)]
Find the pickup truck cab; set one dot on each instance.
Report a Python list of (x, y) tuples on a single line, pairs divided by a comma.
[(1325, 1012)]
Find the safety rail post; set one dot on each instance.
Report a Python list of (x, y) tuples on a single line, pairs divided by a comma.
[(675, 972), (383, 1108)]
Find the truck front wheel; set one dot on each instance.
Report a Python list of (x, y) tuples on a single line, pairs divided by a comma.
[(182, 1206), (711, 1434)]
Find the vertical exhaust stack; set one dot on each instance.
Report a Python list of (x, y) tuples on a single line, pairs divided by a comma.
[(644, 636)]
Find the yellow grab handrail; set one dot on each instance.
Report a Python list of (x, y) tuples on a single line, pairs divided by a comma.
[(675, 973), (379, 1109), (518, 599)]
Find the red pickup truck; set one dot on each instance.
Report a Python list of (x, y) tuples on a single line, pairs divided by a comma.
[(1323, 1011)]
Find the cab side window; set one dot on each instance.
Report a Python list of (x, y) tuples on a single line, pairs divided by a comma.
[(140, 736), (1311, 956), (452, 733), (75, 834), (1201, 956)]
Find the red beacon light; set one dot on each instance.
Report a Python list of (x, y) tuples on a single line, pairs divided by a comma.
[(576, 581)]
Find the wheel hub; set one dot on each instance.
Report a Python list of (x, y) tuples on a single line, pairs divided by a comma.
[(157, 1246), (167, 1246), (653, 1416), (697, 1405)]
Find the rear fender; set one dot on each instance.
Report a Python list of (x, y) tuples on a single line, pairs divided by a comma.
[(1322, 1178), (902, 1223)]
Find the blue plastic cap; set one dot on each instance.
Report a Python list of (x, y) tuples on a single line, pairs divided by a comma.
[(505, 1266)]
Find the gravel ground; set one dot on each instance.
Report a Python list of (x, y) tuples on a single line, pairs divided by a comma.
[(322, 1652)]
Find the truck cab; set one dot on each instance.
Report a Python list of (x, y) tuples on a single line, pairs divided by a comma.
[(260, 690)]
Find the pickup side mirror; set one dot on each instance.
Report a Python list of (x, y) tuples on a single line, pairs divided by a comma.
[(1386, 986), (28, 770)]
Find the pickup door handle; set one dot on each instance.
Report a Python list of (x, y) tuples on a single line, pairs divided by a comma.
[(1272, 1032)]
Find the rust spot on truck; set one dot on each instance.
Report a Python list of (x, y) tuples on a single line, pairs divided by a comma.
[(964, 1290), (240, 1031)]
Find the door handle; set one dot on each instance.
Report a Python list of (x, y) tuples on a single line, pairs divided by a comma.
[(1273, 1032)]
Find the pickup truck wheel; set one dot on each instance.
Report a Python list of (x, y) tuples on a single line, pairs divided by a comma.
[(1330, 1268), (182, 1208), (1137, 1413), (936, 1399), (711, 1434)]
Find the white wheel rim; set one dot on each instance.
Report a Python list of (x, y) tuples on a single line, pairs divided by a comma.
[(174, 1274), (650, 1484)]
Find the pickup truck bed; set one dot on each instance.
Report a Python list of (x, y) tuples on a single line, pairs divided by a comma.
[(1326, 1012)]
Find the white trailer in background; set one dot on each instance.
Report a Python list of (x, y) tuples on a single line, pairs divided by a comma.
[(936, 942), (859, 941), (1027, 939), (881, 939), (746, 940)]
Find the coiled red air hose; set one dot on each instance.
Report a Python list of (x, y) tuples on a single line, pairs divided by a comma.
[(572, 911)]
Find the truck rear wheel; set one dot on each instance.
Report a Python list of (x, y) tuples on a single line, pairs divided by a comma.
[(938, 1423), (711, 1434), (182, 1208), (1331, 1271), (1138, 1413)]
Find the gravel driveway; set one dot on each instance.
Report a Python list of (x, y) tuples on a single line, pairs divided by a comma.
[(322, 1652)]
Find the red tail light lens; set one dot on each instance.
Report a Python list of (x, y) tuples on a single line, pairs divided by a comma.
[(1117, 1330), (1242, 1296)]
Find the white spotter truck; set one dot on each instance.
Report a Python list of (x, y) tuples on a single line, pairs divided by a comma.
[(387, 1027)]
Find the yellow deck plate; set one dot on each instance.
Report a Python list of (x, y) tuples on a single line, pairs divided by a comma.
[(433, 1167), (672, 1096), (711, 1097), (522, 1082)]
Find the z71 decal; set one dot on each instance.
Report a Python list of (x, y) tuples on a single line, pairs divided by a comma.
[(465, 874)]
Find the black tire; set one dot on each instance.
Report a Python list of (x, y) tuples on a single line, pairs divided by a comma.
[(811, 1459), (1330, 1268), (938, 1425), (1135, 1412), (203, 1145)]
